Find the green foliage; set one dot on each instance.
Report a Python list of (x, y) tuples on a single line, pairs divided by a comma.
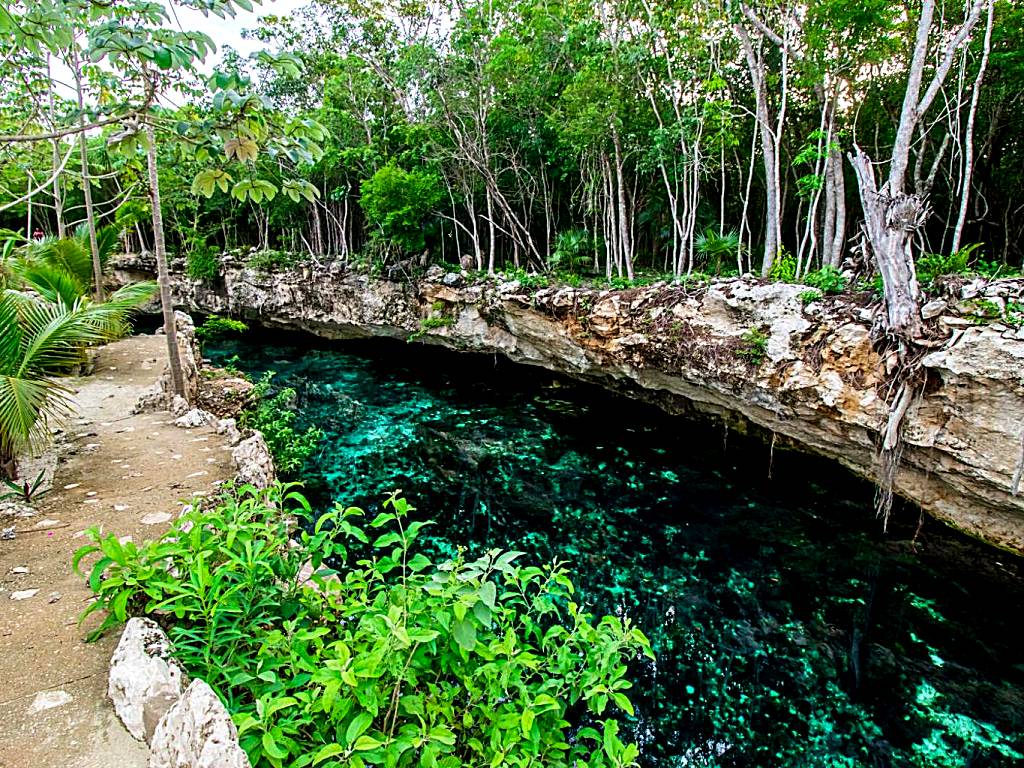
[(828, 280), (809, 297), (753, 346), (41, 340), (274, 416), (215, 327), (528, 280), (381, 657), (202, 263), (933, 265), (398, 202), (783, 268), (573, 252), (25, 491), (270, 260), (717, 250)]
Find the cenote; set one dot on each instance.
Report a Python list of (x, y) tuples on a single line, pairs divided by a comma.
[(789, 631)]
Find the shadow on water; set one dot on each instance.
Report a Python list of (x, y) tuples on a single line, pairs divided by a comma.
[(788, 630)]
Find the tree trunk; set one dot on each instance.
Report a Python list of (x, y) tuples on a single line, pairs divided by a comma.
[(969, 138), (890, 222), (163, 276), (90, 219)]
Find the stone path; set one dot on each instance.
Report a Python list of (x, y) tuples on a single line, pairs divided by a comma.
[(127, 474)]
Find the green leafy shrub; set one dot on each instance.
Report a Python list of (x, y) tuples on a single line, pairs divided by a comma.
[(809, 297), (383, 657), (399, 202), (753, 346), (215, 327), (529, 280), (270, 260), (828, 280), (933, 265), (783, 268), (202, 264), (274, 416)]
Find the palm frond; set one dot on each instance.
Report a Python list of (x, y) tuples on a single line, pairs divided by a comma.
[(50, 281), (27, 408), (111, 317)]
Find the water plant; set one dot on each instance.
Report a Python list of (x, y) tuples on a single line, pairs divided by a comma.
[(381, 656)]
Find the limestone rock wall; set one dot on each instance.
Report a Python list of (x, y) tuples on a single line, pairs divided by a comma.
[(819, 384)]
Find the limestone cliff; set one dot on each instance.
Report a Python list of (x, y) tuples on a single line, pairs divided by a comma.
[(808, 375)]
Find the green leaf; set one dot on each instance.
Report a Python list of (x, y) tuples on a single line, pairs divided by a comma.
[(465, 634), (360, 723), (366, 743), (272, 748), (327, 752)]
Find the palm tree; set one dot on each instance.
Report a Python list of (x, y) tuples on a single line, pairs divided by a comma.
[(40, 341)]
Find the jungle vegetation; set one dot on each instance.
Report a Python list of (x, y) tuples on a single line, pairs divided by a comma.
[(572, 136)]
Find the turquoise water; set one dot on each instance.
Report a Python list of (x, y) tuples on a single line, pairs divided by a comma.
[(788, 631)]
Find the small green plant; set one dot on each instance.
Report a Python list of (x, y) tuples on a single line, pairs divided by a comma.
[(1014, 314), (783, 268), (27, 491), (753, 346), (933, 265), (718, 251), (572, 254), (381, 656), (435, 321), (828, 280), (270, 260), (274, 416), (202, 264), (809, 297), (983, 310), (215, 327), (529, 280)]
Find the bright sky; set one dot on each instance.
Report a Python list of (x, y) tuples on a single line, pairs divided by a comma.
[(228, 32)]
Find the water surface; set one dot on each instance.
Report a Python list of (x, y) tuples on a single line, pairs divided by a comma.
[(788, 630)]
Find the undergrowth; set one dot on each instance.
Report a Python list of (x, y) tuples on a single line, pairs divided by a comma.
[(384, 657)]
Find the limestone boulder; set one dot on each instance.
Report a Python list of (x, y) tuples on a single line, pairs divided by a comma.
[(197, 732), (254, 464), (145, 679)]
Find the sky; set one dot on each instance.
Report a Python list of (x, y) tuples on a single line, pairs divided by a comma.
[(228, 32)]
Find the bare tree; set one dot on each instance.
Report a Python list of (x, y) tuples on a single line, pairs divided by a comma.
[(892, 216)]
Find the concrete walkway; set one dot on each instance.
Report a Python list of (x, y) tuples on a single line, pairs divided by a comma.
[(128, 475)]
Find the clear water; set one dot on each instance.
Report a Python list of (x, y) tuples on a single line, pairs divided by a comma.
[(788, 630)]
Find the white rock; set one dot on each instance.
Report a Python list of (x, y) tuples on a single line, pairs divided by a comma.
[(195, 418), (253, 461), (933, 308), (179, 405), (229, 429), (48, 700), (145, 680), (24, 594), (20, 570), (197, 732), (155, 518)]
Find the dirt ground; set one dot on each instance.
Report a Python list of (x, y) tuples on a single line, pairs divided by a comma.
[(129, 475)]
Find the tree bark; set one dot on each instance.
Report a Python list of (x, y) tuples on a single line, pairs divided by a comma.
[(163, 277), (90, 219)]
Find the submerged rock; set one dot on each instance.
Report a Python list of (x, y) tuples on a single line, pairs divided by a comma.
[(145, 679), (197, 732)]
